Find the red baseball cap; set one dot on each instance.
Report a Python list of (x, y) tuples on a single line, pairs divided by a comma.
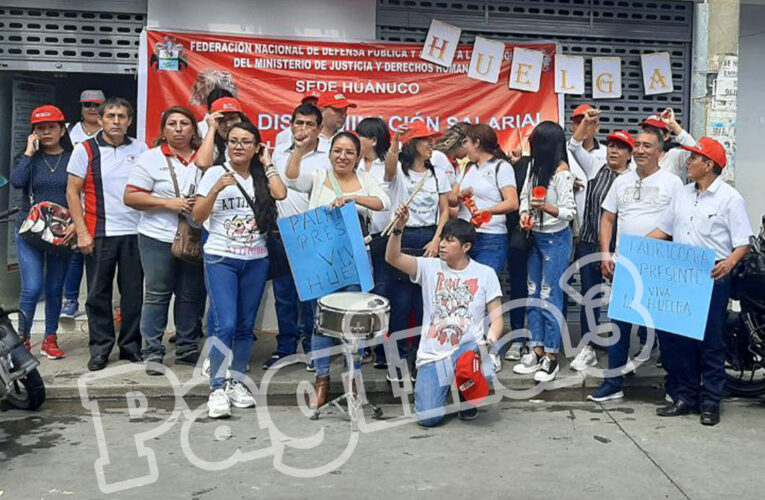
[(418, 130), (654, 121), (226, 105), (469, 377), (47, 113), (334, 100), (311, 94), (622, 136), (581, 110), (709, 148)]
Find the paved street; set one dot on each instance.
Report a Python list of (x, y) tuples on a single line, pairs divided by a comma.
[(554, 449)]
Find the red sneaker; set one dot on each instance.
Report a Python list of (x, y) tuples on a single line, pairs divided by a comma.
[(51, 349)]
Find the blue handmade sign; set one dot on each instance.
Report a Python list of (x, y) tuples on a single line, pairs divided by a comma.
[(325, 248), (663, 283)]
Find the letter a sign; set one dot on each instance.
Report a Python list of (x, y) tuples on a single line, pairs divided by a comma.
[(657, 73), (441, 43), (486, 60)]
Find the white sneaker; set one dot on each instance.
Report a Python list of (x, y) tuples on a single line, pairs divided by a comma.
[(548, 369), (514, 353), (217, 404), (206, 369), (239, 395), (497, 361), (529, 364), (584, 359)]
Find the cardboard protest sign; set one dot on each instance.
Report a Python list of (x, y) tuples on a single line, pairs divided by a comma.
[(606, 77), (662, 285), (326, 251), (657, 73), (441, 43)]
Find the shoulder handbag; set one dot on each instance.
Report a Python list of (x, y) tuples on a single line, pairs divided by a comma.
[(279, 264), (46, 225), (187, 244)]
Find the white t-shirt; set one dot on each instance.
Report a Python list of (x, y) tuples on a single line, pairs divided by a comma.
[(152, 175), (423, 211), (297, 202), (106, 170), (78, 134), (232, 226), (454, 306), (486, 181), (639, 205), (378, 220), (441, 162)]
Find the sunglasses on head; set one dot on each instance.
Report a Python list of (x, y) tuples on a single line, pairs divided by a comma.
[(90, 104)]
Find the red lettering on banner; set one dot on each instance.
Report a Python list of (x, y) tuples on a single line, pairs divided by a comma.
[(388, 80)]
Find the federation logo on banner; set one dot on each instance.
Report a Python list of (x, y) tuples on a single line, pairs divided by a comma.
[(168, 56)]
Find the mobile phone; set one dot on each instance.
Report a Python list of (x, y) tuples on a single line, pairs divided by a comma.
[(37, 144)]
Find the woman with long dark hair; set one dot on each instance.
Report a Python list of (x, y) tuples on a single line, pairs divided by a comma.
[(547, 209), (335, 187), (489, 180), (40, 173), (162, 187), (236, 204), (428, 213), (374, 137)]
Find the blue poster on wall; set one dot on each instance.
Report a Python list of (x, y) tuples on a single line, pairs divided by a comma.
[(326, 251), (663, 285)]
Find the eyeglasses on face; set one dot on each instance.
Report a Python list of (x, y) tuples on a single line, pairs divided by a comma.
[(244, 144), (90, 104)]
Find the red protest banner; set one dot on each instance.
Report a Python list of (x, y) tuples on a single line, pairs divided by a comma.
[(389, 80)]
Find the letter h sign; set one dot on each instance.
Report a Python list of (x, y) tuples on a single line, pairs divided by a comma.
[(441, 43)]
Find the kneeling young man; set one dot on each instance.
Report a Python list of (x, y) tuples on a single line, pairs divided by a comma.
[(458, 294)]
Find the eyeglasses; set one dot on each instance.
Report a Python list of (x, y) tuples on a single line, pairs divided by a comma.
[(638, 190), (245, 144), (90, 104)]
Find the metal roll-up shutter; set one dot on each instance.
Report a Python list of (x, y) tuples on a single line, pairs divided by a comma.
[(81, 40), (623, 28)]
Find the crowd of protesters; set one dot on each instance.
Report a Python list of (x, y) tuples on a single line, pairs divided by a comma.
[(461, 202)]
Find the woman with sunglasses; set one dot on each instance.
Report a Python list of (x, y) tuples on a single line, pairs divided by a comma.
[(428, 213), (40, 173), (236, 203), (547, 209), (161, 187), (489, 180), (334, 188)]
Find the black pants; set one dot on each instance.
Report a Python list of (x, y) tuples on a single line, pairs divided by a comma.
[(114, 254)]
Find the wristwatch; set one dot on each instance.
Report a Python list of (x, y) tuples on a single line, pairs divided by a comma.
[(397, 232)]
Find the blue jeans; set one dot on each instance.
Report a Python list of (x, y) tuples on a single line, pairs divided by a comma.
[(490, 249), (590, 277), (697, 368), (164, 276), (618, 354), (548, 259), (74, 276), (235, 287), (406, 297), (517, 264), (295, 318), (40, 268), (432, 387), (320, 341)]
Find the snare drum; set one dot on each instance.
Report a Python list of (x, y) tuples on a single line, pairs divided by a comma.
[(352, 315)]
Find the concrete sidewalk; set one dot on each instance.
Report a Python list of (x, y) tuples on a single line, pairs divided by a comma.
[(61, 376)]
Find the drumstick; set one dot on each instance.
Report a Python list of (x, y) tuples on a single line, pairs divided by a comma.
[(392, 223)]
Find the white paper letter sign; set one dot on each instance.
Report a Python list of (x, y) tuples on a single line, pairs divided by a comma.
[(569, 74), (526, 70), (441, 43), (657, 73), (486, 60), (606, 77)]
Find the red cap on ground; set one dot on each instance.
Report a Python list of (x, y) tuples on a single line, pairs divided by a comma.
[(334, 100), (709, 148), (418, 130), (226, 105), (47, 113), (622, 136), (581, 110), (469, 377), (654, 121)]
